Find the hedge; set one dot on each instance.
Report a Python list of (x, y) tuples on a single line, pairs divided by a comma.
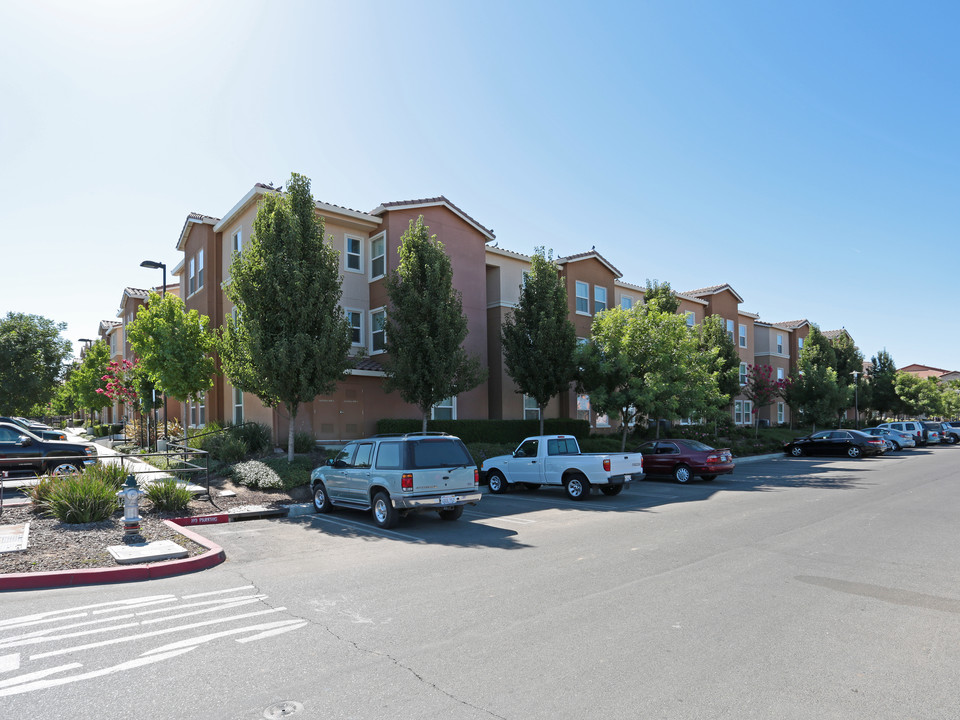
[(489, 431)]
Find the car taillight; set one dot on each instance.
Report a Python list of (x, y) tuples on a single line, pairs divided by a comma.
[(476, 477), (406, 481), (875, 442), (713, 458), (606, 465)]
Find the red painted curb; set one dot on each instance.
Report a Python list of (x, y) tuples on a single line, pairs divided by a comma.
[(202, 519), (96, 576)]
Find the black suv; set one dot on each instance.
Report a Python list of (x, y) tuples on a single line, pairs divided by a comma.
[(21, 450)]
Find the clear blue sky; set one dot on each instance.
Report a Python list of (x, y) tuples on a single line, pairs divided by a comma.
[(806, 153)]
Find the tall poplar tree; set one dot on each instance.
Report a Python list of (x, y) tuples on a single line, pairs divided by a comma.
[(884, 398), (426, 327), (290, 339), (539, 341)]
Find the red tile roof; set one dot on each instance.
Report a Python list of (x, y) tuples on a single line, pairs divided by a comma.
[(439, 200)]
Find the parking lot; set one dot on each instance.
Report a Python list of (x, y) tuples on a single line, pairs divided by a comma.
[(795, 588)]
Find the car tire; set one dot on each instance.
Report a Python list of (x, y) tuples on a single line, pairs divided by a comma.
[(496, 482), (385, 515), (577, 486), (611, 490), (854, 452), (796, 451), (451, 514), (64, 467), (321, 501), (896, 446), (682, 474), (532, 486), (708, 478)]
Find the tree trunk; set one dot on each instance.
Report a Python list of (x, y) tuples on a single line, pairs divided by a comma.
[(623, 438), (423, 428), (542, 408), (293, 416)]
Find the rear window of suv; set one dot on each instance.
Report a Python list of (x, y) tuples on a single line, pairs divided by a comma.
[(440, 452)]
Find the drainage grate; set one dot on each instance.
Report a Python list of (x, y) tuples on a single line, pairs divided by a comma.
[(282, 710)]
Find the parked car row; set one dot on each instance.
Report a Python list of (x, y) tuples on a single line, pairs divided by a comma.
[(22, 450), (885, 437)]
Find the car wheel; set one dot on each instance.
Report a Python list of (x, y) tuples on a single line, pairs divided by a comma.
[(896, 446), (532, 486), (854, 451), (384, 514), (321, 501), (954, 439), (682, 474), (578, 487), (65, 467), (708, 477), (611, 489), (452, 514), (796, 451), (496, 482)]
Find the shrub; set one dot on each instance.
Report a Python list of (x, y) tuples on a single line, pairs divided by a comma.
[(168, 495), (292, 474), (258, 475), (256, 437), (40, 493), (489, 431), (113, 474), (136, 430), (481, 451), (80, 499), (231, 449)]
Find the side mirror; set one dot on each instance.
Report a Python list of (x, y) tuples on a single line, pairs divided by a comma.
[(518, 453), (24, 441), (330, 462)]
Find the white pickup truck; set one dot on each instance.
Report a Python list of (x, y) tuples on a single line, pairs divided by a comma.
[(557, 460)]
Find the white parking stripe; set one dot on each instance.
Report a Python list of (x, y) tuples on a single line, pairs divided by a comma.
[(217, 592), (30, 677), (195, 641), (9, 663), (11, 622)]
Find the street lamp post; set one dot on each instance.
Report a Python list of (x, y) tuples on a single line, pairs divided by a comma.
[(154, 265), (856, 396)]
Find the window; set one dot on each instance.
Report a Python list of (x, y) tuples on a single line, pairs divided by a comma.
[(563, 446), (388, 456), (743, 373), (199, 269), (583, 407), (743, 336), (780, 344), (237, 406), (742, 410), (378, 333), (779, 373), (780, 413), (603, 421), (355, 318), (191, 277), (599, 298), (730, 330), (198, 412), (113, 343), (364, 456), (528, 448), (237, 241), (626, 302), (800, 343), (691, 319), (747, 412), (446, 409), (354, 259), (378, 257), (531, 411), (583, 298)]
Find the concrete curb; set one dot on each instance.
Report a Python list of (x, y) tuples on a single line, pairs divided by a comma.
[(98, 576), (757, 458)]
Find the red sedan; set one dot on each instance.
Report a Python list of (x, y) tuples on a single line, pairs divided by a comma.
[(684, 459)]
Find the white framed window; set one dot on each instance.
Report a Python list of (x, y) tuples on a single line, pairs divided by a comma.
[(531, 411), (743, 373), (691, 318), (237, 240), (780, 413), (747, 412), (603, 421), (779, 373), (113, 343), (355, 318), (237, 406), (583, 407), (626, 302), (583, 298), (730, 330), (378, 332), (191, 276), (199, 268), (800, 343), (446, 409), (378, 256), (599, 298), (354, 253), (743, 336), (780, 344), (738, 412), (198, 412)]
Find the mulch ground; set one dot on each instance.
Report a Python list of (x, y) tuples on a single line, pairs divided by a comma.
[(53, 545)]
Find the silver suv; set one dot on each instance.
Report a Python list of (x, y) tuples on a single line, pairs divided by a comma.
[(914, 428), (393, 475)]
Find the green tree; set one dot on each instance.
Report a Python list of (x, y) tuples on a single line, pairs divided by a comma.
[(645, 362), (661, 295), (290, 339), (919, 397), (539, 341), (847, 360), (88, 379), (32, 354), (173, 347), (722, 358), (65, 400), (426, 327), (761, 389), (883, 395), (813, 389)]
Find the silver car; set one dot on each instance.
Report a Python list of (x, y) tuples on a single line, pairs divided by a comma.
[(897, 438), (951, 432)]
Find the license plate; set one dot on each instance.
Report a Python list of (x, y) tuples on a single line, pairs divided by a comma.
[(448, 499)]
